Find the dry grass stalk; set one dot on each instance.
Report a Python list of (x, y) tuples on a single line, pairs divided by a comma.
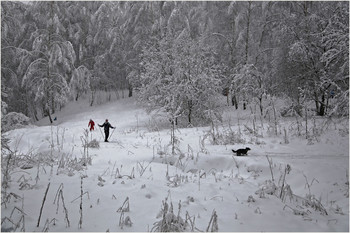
[(42, 205), (81, 203), (59, 195), (213, 223), (271, 167), (125, 206), (141, 168)]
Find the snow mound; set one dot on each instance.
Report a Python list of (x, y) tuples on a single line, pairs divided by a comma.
[(14, 120)]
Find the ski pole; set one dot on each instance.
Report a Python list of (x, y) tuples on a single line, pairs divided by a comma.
[(111, 134), (100, 131)]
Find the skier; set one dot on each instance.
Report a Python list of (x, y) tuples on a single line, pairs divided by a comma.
[(106, 126), (91, 125)]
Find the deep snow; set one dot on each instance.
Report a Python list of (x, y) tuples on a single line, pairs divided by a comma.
[(221, 186)]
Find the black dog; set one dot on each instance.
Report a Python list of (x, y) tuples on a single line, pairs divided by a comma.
[(241, 152)]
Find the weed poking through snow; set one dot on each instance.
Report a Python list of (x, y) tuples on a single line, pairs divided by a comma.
[(124, 221), (94, 144), (59, 195), (42, 205), (213, 223), (169, 222)]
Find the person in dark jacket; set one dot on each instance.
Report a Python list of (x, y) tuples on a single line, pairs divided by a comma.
[(106, 127)]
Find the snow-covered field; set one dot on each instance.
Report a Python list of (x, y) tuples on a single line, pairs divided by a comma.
[(134, 177)]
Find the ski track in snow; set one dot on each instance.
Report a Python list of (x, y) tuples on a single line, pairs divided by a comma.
[(222, 186)]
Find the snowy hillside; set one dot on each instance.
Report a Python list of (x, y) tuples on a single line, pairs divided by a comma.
[(133, 183)]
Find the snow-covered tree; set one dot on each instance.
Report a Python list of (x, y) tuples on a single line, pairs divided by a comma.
[(304, 23), (14, 30), (140, 22), (80, 81), (335, 57), (179, 76), (249, 82), (291, 44), (46, 77)]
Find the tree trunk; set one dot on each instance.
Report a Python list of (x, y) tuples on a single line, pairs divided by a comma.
[(173, 135), (35, 114), (43, 110), (247, 33), (92, 97), (261, 106), (244, 102), (130, 90), (322, 106), (316, 102), (306, 123), (234, 101), (48, 113), (189, 111), (326, 110)]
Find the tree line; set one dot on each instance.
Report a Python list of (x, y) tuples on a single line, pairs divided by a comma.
[(177, 56)]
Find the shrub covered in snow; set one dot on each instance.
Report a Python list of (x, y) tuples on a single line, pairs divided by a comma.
[(14, 120), (169, 222), (94, 144)]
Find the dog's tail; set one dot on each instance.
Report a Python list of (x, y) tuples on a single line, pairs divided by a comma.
[(234, 151)]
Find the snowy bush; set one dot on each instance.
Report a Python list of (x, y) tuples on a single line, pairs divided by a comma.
[(3, 107), (226, 136), (94, 144), (291, 110), (267, 187), (14, 120), (169, 222)]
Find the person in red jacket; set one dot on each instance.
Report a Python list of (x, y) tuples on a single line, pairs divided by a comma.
[(91, 125)]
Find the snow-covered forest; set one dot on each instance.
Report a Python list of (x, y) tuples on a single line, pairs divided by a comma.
[(184, 83), (54, 52)]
